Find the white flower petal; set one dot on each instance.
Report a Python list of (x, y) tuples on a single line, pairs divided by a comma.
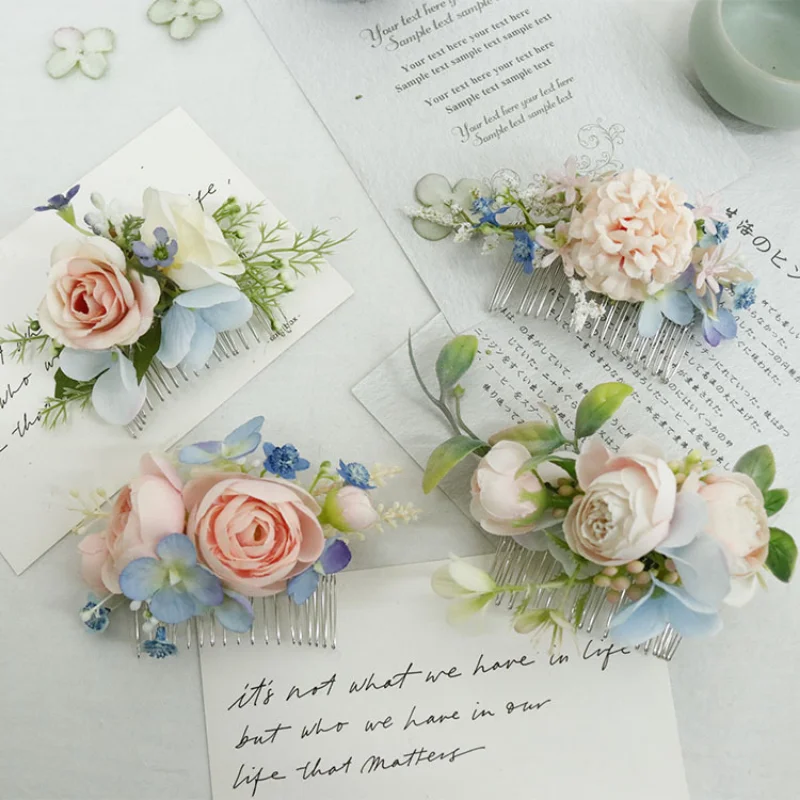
[(93, 65), (116, 398), (83, 365), (182, 27), (99, 40), (470, 577), (203, 341), (445, 586), (461, 610), (61, 62), (206, 9), (68, 38), (162, 11)]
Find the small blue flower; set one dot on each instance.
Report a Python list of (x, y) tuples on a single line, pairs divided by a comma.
[(159, 647), (95, 616), (285, 462), (487, 210), (335, 557), (744, 294), (160, 254), (174, 585), (59, 201), (355, 474), (718, 322), (524, 250), (237, 444)]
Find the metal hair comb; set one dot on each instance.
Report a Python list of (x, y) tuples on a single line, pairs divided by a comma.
[(277, 620), (162, 383), (515, 564), (547, 295)]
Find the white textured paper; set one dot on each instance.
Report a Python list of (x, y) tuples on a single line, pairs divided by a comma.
[(488, 715), (467, 87), (39, 467)]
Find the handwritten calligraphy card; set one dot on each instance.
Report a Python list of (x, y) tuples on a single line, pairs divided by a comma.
[(410, 707), (467, 87), (174, 155)]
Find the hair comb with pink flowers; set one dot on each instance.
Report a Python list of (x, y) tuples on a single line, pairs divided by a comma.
[(622, 255), (640, 549), (133, 310), (234, 544)]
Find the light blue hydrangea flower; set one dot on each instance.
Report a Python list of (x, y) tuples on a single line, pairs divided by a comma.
[(190, 327), (235, 612), (238, 444), (117, 396), (335, 557), (174, 585), (744, 294), (671, 302)]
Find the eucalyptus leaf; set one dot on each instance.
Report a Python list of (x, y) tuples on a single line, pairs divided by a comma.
[(598, 406), (782, 555), (454, 360), (759, 464), (775, 500), (540, 438), (446, 456)]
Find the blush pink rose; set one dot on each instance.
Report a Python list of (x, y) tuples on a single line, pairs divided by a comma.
[(253, 533), (628, 503), (145, 511), (501, 501), (90, 302)]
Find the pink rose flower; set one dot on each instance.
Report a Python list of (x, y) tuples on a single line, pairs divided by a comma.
[(633, 236), (253, 533), (738, 521), (349, 509), (145, 511), (90, 303), (501, 501), (628, 503)]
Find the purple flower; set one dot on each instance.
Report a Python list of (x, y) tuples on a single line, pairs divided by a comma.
[(59, 201), (285, 462), (161, 254), (335, 557)]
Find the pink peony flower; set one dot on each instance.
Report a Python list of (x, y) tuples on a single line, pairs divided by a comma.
[(739, 522), (501, 501), (253, 533), (628, 503), (145, 511), (633, 237)]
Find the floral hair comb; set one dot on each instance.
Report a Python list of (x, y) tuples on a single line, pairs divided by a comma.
[(229, 541), (137, 305), (644, 548), (623, 255)]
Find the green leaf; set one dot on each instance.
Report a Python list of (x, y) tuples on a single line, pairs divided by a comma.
[(567, 464), (539, 437), (454, 360), (775, 500), (782, 555), (445, 457), (599, 405), (64, 384), (145, 349), (759, 464)]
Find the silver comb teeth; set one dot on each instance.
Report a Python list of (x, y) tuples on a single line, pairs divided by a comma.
[(278, 620), (163, 383), (515, 565), (546, 295)]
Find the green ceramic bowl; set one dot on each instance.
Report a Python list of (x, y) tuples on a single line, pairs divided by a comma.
[(747, 55)]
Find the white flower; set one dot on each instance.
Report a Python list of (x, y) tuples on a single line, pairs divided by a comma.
[(105, 217), (78, 49), (717, 265), (463, 232), (204, 257), (470, 587), (183, 15)]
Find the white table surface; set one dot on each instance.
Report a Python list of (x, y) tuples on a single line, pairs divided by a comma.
[(81, 718)]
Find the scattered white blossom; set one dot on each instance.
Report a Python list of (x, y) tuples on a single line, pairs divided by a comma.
[(94, 507), (396, 513), (75, 48), (463, 232), (585, 309), (490, 243), (431, 214), (381, 475), (183, 16)]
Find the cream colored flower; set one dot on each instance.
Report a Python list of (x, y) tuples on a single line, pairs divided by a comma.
[(183, 16), (633, 237), (86, 51)]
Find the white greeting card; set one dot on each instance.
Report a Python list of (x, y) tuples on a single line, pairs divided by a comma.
[(467, 87), (409, 707), (39, 467)]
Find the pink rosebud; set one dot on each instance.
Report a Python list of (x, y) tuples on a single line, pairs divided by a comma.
[(349, 509)]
